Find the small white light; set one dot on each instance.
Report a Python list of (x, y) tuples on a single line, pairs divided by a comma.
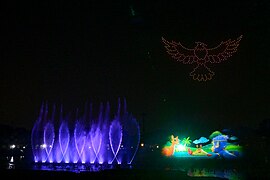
[(11, 159), (43, 146)]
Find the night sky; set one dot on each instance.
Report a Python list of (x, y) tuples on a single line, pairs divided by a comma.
[(73, 52)]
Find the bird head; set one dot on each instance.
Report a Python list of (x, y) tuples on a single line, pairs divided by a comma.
[(200, 45)]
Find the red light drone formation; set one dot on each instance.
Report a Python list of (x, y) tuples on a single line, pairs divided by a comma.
[(200, 55)]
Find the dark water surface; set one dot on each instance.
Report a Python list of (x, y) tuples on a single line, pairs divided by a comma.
[(145, 166)]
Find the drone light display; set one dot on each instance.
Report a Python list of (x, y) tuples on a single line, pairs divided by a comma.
[(201, 55)]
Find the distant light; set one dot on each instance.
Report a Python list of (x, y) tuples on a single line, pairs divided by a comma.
[(35, 159), (142, 144), (11, 159), (157, 146), (43, 146), (12, 146)]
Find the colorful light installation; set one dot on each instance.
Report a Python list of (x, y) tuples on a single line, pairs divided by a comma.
[(84, 138), (218, 146), (201, 55)]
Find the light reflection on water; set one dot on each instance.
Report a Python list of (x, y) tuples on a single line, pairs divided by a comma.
[(71, 167), (198, 172), (230, 174), (78, 167)]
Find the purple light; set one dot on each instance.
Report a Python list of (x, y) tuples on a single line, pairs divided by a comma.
[(84, 138), (115, 136), (64, 138), (48, 140)]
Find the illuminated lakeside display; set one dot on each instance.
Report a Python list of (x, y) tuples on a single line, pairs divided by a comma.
[(219, 146), (59, 138), (201, 55)]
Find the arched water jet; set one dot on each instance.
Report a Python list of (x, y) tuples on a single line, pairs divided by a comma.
[(64, 138), (48, 136), (85, 138), (115, 136)]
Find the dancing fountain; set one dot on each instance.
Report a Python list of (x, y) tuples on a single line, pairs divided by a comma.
[(85, 139)]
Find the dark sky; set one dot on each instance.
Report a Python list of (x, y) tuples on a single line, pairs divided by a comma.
[(75, 52)]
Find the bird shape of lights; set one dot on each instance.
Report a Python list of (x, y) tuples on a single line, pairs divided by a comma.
[(200, 55)]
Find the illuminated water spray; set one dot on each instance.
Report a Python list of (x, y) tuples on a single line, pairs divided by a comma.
[(84, 138)]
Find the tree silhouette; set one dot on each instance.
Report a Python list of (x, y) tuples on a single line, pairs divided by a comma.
[(186, 141)]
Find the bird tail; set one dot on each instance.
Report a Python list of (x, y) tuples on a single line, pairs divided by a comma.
[(202, 73)]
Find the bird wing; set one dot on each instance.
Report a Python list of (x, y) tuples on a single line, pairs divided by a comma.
[(179, 52), (223, 51)]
